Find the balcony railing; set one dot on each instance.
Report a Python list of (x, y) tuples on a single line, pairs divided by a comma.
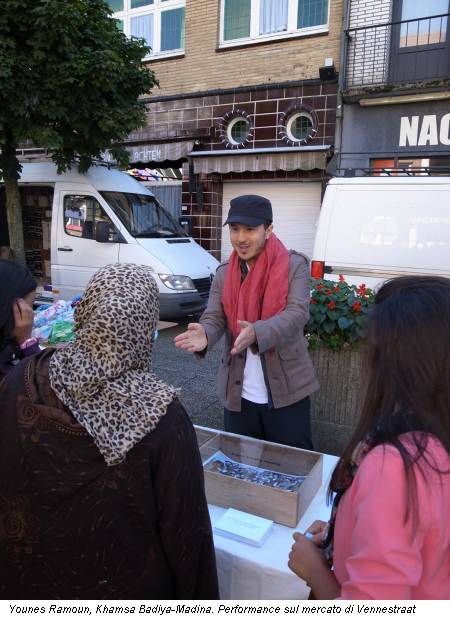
[(397, 52)]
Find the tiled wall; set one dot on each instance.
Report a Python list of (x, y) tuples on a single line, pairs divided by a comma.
[(172, 119), (205, 211), (207, 218), (175, 118)]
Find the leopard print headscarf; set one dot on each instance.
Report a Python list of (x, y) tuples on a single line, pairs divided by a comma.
[(104, 377)]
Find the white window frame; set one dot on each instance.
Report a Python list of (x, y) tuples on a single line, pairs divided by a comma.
[(230, 126), (291, 32), (157, 8), (291, 121)]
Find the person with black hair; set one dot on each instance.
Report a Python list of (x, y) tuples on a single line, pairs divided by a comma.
[(17, 292), (389, 533), (259, 301)]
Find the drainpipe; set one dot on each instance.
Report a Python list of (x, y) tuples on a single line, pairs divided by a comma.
[(341, 83)]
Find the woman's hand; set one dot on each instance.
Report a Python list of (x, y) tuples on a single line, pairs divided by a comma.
[(306, 559), (23, 320), (308, 562), (317, 532)]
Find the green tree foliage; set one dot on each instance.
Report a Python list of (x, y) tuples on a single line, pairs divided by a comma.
[(70, 82)]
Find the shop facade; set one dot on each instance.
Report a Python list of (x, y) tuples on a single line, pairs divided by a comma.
[(409, 136), (395, 88), (274, 140)]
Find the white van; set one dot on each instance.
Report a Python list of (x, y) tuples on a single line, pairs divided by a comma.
[(76, 223), (372, 229)]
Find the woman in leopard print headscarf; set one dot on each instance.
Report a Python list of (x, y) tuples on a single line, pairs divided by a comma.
[(104, 377), (101, 482)]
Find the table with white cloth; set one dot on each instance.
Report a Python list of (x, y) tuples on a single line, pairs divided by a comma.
[(247, 572)]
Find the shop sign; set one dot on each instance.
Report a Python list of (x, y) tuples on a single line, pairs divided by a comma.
[(426, 130)]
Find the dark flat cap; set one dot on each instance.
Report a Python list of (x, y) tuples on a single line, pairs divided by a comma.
[(252, 210)]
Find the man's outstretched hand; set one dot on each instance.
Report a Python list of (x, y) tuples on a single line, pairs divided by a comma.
[(193, 339), (246, 337)]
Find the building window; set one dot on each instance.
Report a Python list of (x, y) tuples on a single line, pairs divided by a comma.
[(235, 129), (398, 166), (238, 130), (159, 22), (424, 30), (299, 126), (244, 21)]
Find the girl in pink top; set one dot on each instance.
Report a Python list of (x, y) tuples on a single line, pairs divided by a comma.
[(389, 533)]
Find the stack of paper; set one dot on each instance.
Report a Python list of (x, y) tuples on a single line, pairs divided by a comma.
[(244, 527)]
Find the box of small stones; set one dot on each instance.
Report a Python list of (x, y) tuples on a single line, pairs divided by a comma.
[(263, 478)]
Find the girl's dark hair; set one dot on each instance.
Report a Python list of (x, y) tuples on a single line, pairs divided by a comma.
[(16, 281), (407, 373)]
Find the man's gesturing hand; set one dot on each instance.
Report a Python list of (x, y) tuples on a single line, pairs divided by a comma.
[(246, 337), (193, 339)]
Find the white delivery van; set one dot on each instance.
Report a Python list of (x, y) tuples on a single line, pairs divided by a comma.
[(76, 223), (373, 228)]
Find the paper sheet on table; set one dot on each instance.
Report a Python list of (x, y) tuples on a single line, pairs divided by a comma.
[(221, 463)]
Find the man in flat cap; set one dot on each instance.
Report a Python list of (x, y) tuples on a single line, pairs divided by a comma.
[(260, 300)]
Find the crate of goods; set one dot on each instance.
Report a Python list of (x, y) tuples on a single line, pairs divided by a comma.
[(263, 478), (204, 434)]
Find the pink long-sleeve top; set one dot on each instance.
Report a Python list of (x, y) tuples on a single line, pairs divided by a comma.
[(377, 555)]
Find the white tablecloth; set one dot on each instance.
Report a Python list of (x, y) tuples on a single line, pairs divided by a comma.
[(247, 572)]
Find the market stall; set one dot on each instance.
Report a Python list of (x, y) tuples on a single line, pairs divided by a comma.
[(250, 572)]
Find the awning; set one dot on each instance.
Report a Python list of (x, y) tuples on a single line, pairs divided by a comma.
[(169, 151), (259, 160)]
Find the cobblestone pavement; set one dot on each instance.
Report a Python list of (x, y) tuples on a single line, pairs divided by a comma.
[(196, 378)]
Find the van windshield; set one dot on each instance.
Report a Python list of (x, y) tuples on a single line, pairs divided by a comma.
[(143, 216)]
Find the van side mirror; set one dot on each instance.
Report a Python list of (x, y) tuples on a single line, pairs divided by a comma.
[(186, 224), (106, 232)]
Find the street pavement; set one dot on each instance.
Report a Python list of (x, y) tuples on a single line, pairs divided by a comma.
[(195, 377)]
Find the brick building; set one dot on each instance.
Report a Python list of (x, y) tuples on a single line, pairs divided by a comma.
[(241, 107)]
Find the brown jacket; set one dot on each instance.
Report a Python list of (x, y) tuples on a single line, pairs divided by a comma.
[(73, 528), (280, 339)]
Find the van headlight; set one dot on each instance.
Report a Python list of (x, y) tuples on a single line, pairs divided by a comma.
[(177, 282)]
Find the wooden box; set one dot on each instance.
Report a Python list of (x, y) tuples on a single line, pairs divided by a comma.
[(280, 505), (204, 434)]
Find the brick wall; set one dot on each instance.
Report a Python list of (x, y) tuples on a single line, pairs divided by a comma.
[(369, 12), (204, 68)]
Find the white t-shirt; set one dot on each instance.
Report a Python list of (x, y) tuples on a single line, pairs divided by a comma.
[(253, 385)]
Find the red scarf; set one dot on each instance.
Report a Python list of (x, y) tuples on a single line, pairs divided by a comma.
[(263, 293)]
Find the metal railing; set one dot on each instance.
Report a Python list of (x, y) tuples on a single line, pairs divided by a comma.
[(433, 170), (372, 51)]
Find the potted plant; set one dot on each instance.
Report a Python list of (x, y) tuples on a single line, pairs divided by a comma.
[(338, 312)]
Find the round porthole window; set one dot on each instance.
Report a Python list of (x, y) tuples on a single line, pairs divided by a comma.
[(238, 130), (299, 126), (235, 129)]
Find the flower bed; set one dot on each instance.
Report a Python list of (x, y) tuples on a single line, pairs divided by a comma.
[(338, 312)]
